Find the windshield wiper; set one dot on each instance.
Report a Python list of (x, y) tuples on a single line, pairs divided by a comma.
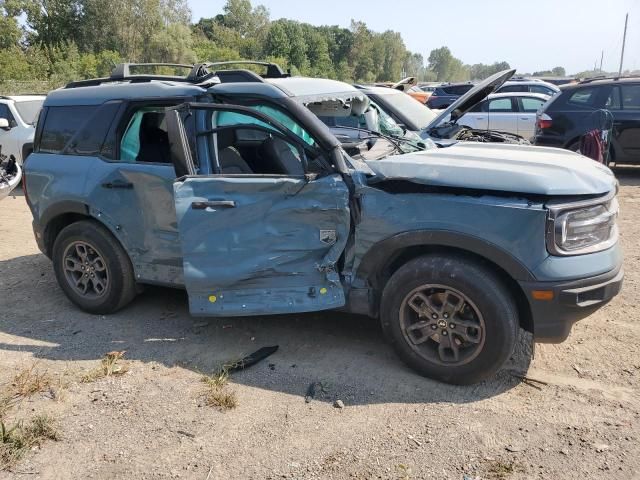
[(395, 141)]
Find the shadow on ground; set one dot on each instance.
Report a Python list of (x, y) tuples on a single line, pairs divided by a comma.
[(343, 351)]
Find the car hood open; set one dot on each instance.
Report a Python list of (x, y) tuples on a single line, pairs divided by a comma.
[(500, 167), (474, 96)]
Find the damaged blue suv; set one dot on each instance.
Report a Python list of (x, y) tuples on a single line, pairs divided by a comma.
[(227, 186)]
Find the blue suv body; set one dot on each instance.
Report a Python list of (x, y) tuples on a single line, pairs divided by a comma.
[(239, 194)]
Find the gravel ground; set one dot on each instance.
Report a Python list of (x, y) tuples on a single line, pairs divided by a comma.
[(152, 422)]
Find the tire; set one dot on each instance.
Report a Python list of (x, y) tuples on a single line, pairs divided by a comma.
[(487, 321), (102, 281)]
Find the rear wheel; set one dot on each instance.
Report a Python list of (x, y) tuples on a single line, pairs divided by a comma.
[(450, 318), (92, 268)]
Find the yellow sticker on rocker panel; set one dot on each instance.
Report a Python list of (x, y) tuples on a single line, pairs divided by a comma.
[(213, 298)]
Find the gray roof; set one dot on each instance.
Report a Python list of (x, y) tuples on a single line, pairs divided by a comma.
[(96, 95), (307, 90)]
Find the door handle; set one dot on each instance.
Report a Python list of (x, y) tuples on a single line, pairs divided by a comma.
[(525, 118), (213, 204), (124, 185)]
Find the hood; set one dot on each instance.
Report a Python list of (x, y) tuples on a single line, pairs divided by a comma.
[(474, 96), (500, 167)]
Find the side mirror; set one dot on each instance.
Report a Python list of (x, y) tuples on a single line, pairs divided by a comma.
[(4, 124)]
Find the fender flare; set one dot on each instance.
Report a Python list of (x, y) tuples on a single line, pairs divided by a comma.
[(385, 251), (27, 149), (47, 220)]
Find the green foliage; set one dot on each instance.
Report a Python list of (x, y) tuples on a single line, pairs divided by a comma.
[(64, 40), (446, 66), (480, 71)]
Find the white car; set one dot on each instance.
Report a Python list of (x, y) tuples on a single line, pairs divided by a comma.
[(529, 85), (18, 117), (506, 112)]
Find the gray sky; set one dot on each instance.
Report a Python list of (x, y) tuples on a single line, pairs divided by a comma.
[(531, 35)]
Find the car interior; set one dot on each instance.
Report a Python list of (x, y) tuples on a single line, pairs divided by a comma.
[(246, 150)]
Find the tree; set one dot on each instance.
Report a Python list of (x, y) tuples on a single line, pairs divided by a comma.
[(53, 22), (480, 71), (277, 42), (446, 66), (559, 71), (360, 55), (10, 32)]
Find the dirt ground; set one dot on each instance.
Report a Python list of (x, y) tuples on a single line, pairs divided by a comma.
[(152, 422)]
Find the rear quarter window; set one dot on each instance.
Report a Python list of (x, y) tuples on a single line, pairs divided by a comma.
[(60, 125), (582, 97)]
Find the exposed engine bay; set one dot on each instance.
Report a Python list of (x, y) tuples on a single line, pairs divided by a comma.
[(10, 174), (453, 131)]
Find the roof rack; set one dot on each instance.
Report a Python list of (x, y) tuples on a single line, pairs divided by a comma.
[(273, 69), (198, 73), (604, 77)]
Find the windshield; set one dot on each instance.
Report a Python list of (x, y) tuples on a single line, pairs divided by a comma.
[(29, 110), (413, 110)]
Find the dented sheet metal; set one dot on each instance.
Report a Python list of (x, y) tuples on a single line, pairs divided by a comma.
[(271, 248), (500, 167), (508, 223)]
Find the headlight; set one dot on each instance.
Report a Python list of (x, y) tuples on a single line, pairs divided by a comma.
[(585, 227)]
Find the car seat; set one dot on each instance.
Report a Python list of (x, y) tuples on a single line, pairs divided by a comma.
[(154, 141), (231, 162), (280, 158)]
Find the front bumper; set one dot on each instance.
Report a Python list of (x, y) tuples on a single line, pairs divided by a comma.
[(572, 301)]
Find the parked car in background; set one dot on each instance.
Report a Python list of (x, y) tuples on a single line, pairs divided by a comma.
[(409, 86), (506, 112), (429, 87), (444, 95), (593, 104), (529, 85), (238, 194), (443, 126), (18, 116)]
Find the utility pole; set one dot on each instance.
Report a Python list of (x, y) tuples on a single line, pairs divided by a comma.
[(624, 39), (601, 57)]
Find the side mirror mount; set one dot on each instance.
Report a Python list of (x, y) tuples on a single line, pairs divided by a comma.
[(4, 124)]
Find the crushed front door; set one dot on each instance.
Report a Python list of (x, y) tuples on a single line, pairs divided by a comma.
[(262, 244), (257, 245)]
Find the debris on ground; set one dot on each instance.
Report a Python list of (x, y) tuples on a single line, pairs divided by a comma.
[(251, 359), (514, 449), (531, 382), (338, 404), (109, 366), (312, 391)]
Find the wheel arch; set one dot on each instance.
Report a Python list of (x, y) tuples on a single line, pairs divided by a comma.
[(385, 257), (63, 214), (27, 149)]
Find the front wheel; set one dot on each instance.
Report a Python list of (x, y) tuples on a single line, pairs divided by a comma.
[(450, 318)]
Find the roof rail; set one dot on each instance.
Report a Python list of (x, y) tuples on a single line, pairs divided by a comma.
[(273, 69), (604, 77), (122, 72)]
